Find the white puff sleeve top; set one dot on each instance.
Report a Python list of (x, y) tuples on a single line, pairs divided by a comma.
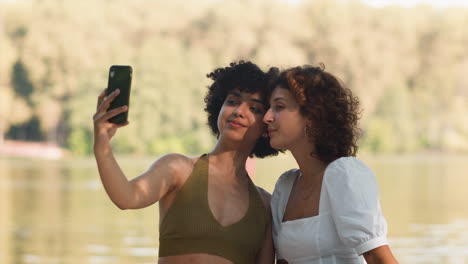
[(350, 221)]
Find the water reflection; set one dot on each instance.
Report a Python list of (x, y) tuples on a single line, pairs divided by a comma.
[(54, 212), (58, 212), (434, 243)]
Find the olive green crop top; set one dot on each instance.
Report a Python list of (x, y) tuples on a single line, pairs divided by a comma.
[(189, 227)]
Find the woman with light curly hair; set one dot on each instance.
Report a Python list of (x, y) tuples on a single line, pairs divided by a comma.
[(328, 210)]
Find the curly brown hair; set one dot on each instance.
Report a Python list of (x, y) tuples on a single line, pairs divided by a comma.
[(247, 77), (329, 105)]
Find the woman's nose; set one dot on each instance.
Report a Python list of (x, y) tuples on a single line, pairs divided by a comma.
[(239, 110), (268, 117)]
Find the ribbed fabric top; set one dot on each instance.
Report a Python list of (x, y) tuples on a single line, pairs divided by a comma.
[(189, 226)]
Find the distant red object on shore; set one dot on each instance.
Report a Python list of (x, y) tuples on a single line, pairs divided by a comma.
[(44, 150)]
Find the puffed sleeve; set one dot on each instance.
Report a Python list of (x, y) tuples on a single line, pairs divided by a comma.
[(355, 204)]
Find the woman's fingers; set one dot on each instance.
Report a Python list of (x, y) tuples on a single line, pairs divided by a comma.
[(107, 100), (101, 97), (102, 116), (105, 116), (108, 115)]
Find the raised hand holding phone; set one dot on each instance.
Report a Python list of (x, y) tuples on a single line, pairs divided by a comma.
[(111, 113), (103, 129)]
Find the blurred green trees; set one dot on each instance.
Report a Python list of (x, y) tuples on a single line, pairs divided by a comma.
[(408, 66)]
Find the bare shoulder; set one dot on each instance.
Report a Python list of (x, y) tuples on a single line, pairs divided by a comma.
[(172, 161), (176, 165), (266, 196)]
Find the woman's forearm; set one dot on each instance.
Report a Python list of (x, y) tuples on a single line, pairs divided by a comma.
[(117, 186), (380, 255)]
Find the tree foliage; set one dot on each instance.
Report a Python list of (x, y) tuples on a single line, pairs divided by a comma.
[(407, 65)]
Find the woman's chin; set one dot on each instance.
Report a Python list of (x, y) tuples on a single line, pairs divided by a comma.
[(275, 145)]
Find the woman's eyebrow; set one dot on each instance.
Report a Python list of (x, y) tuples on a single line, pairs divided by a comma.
[(255, 100), (238, 94), (279, 98), (234, 93)]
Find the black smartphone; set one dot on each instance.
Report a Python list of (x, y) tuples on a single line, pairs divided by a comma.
[(120, 77)]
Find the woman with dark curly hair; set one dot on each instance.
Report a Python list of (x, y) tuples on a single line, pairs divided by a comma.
[(328, 210), (210, 210)]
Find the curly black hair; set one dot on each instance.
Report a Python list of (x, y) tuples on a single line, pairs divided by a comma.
[(247, 77), (332, 108)]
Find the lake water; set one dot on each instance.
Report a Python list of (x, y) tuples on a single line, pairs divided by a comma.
[(58, 212)]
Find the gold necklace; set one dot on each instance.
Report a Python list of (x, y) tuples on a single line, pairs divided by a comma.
[(307, 189)]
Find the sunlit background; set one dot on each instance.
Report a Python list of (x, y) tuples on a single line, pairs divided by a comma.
[(406, 60)]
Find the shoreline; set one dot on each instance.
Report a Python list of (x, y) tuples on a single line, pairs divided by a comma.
[(30, 149)]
